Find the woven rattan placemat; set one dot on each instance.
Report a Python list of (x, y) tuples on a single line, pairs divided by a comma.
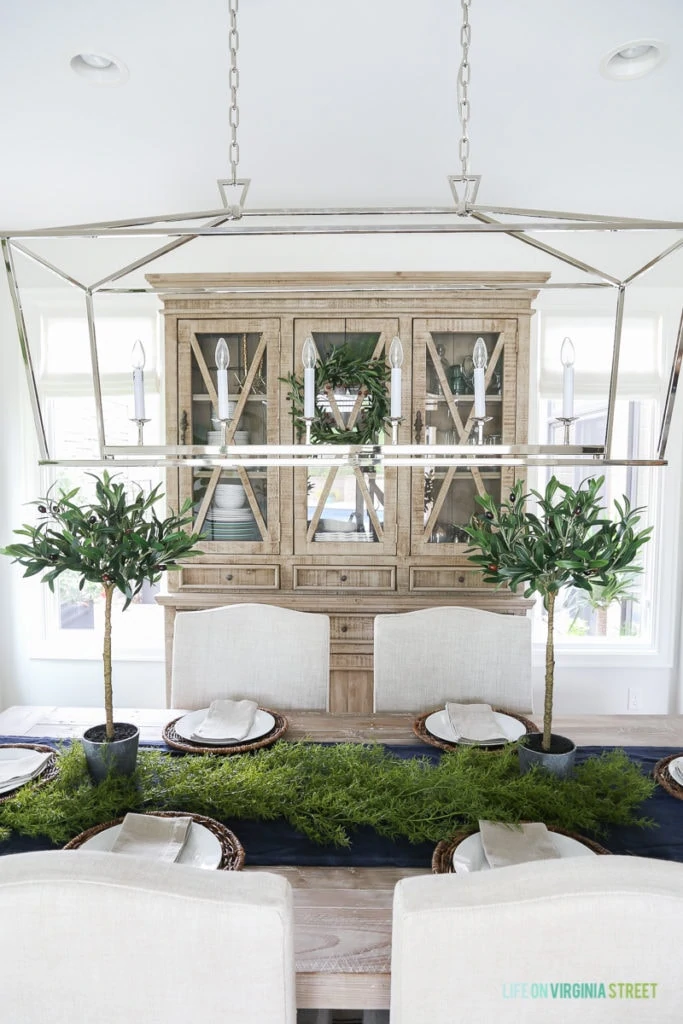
[(664, 779), (171, 737), (442, 858), (420, 730), (48, 774), (232, 858)]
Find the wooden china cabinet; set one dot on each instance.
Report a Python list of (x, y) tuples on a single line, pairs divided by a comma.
[(349, 542)]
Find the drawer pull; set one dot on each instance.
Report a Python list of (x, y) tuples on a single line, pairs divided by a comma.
[(343, 578), (461, 579), (345, 629), (228, 576)]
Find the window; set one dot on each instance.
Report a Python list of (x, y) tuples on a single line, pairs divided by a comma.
[(73, 618), (604, 617)]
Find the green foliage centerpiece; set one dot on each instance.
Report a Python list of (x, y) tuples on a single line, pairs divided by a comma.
[(568, 542), (112, 541), (348, 367), (329, 792)]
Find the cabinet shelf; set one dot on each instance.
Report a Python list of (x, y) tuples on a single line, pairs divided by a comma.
[(263, 399), (431, 398), (251, 473), (488, 474)]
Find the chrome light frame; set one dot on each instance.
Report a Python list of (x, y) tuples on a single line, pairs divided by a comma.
[(238, 221)]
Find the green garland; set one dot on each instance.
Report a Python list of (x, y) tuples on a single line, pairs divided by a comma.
[(347, 366), (327, 792)]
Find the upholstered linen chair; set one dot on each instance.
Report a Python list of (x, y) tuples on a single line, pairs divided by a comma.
[(116, 939), (424, 658), (277, 656), (463, 946)]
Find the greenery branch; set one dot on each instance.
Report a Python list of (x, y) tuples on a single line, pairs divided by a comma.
[(328, 792), (568, 542), (347, 366), (113, 541)]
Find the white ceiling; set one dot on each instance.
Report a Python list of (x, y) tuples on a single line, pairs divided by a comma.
[(342, 102)]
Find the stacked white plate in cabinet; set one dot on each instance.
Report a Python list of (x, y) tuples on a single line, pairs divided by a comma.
[(232, 495), (232, 524)]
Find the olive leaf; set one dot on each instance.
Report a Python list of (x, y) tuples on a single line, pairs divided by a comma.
[(113, 540), (570, 542)]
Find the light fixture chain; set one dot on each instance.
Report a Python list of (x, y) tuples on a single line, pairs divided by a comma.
[(234, 41), (463, 86)]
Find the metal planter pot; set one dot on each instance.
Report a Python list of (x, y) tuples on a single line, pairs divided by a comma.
[(559, 759), (118, 757)]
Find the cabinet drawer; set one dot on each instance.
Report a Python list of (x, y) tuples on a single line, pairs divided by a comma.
[(446, 577), (309, 577), (352, 627), (230, 577)]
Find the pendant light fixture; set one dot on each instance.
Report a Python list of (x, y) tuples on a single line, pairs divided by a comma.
[(463, 216)]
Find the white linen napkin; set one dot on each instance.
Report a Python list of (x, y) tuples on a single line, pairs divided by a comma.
[(474, 722), (227, 720), (24, 767), (146, 835), (515, 844)]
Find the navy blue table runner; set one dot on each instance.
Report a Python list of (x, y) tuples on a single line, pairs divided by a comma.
[(276, 842)]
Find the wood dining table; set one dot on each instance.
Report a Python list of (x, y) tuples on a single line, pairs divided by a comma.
[(343, 915)]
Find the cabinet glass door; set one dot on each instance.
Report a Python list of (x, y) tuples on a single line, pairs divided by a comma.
[(234, 508), (444, 497), (347, 510)]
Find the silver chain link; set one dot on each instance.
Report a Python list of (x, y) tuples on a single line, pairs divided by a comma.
[(463, 86), (234, 86)]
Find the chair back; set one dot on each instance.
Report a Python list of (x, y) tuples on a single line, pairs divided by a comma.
[(424, 658), (586, 939), (116, 939), (276, 656)]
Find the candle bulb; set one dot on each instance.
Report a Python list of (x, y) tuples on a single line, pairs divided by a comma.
[(138, 364), (480, 358), (309, 356), (222, 362), (567, 357), (396, 361)]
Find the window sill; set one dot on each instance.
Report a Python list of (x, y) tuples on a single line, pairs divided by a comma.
[(50, 652), (637, 654)]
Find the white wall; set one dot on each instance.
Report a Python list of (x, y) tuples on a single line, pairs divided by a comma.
[(584, 684)]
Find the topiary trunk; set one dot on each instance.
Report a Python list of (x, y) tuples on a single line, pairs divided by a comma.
[(106, 657), (549, 671)]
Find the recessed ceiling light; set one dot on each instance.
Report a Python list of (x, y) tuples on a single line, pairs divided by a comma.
[(100, 68), (633, 60), (95, 60)]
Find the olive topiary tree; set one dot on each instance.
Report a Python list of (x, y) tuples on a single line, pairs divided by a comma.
[(569, 542), (112, 541)]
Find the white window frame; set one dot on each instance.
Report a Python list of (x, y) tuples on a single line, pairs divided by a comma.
[(628, 652), (48, 640)]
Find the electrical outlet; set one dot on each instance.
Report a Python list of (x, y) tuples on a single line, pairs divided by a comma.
[(634, 700)]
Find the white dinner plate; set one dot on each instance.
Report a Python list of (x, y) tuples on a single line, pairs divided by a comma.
[(439, 725), (13, 754), (201, 850), (185, 727), (230, 515), (675, 769), (469, 854)]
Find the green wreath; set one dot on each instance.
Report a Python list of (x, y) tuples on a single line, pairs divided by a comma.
[(347, 366)]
